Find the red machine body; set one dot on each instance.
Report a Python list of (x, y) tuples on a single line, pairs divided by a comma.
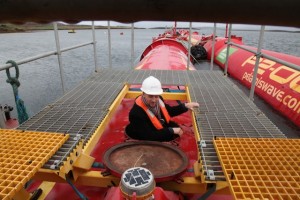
[(276, 83), (165, 54)]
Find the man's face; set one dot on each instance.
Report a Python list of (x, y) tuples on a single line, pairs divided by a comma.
[(152, 100)]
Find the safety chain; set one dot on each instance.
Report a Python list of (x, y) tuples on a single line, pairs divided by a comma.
[(15, 83)]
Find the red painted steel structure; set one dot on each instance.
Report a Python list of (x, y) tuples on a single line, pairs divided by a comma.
[(277, 84), (169, 51), (165, 54)]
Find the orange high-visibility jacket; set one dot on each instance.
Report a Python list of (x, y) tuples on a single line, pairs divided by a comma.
[(150, 114)]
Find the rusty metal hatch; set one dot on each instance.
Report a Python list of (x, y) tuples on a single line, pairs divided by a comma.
[(166, 162)]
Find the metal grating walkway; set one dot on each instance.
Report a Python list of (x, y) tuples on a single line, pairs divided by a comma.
[(261, 168), (224, 110), (166, 77), (78, 113), (22, 154), (217, 93)]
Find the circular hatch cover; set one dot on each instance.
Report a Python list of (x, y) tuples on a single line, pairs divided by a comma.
[(166, 162)]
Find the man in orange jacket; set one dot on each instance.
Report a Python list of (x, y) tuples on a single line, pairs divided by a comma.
[(150, 117)]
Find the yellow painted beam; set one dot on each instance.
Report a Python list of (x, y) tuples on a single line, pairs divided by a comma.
[(165, 95), (223, 187), (95, 178), (68, 164), (22, 194), (188, 185), (84, 162), (79, 160), (46, 187), (197, 166), (96, 136), (196, 130), (48, 175)]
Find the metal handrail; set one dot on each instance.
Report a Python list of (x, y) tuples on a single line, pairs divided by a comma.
[(227, 51), (189, 46), (213, 47), (258, 55), (94, 46), (39, 56), (58, 53), (288, 64)]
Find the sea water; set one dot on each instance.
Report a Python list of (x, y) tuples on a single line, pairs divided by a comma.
[(41, 80)]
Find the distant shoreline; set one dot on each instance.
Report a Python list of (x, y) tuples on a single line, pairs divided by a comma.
[(30, 27)]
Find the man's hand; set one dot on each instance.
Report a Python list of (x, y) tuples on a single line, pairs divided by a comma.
[(178, 131), (191, 105)]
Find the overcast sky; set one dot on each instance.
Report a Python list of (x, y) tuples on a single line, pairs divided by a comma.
[(151, 24)]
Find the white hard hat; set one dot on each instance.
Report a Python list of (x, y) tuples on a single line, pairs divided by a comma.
[(152, 86)]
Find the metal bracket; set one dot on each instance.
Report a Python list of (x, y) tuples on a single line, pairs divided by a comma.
[(211, 174), (202, 143), (55, 164), (78, 137)]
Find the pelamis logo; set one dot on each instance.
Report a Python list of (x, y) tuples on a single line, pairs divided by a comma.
[(222, 55)]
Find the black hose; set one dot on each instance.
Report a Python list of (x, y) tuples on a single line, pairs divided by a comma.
[(81, 196), (98, 165), (211, 189)]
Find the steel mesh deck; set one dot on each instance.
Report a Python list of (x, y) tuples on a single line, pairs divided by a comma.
[(217, 93), (236, 125), (78, 113), (91, 94), (224, 110), (79, 123), (167, 77)]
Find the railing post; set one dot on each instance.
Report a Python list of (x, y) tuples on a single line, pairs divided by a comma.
[(213, 48), (94, 46), (228, 49), (132, 44), (2, 118), (258, 55), (59, 56), (189, 47), (109, 44)]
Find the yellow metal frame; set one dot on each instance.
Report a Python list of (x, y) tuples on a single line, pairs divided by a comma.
[(283, 181), (79, 162), (165, 95), (188, 184), (94, 178), (111, 111), (197, 165)]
